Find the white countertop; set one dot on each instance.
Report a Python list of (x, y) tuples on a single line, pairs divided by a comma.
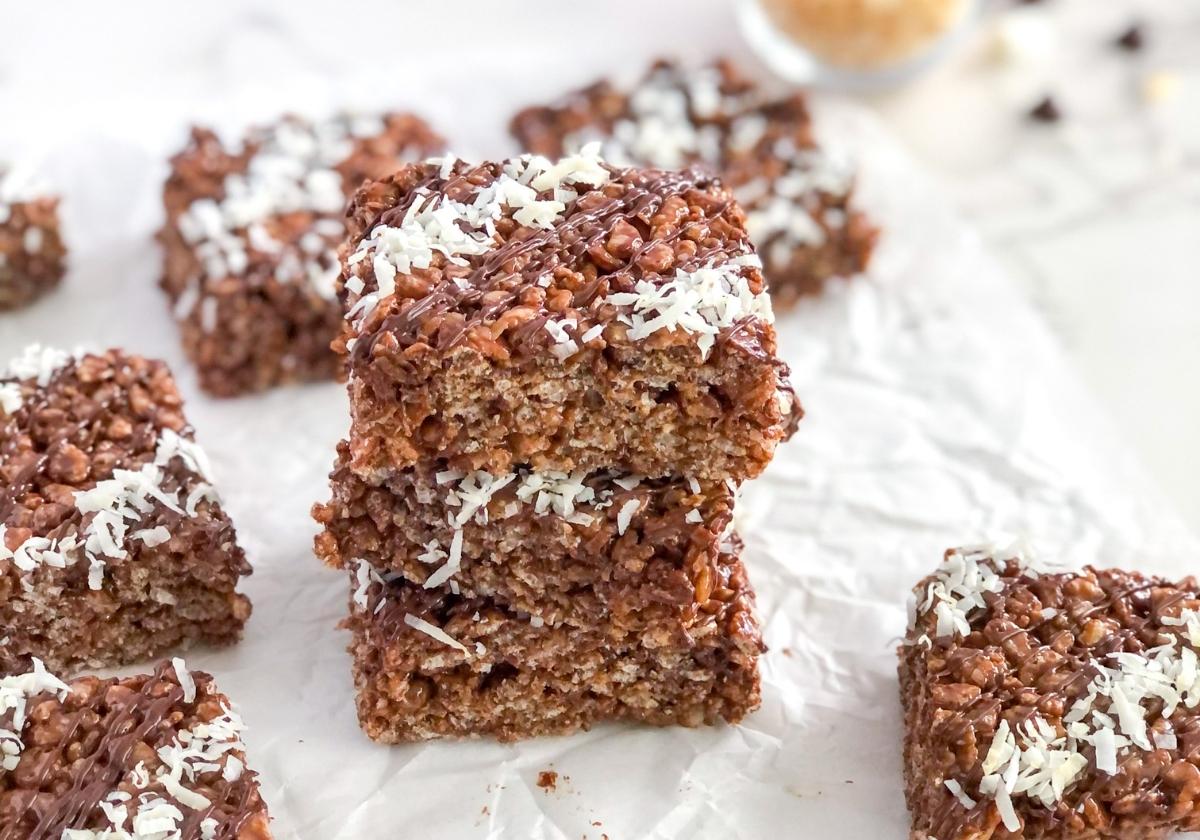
[(1096, 217)]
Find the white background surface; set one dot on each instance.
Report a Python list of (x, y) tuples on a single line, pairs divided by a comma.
[(941, 410)]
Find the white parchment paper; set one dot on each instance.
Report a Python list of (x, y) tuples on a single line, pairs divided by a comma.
[(940, 412)]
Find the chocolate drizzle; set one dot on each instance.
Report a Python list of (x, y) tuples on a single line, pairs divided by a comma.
[(147, 716), (496, 280)]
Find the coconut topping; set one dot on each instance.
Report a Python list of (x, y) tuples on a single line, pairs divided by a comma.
[(10, 397), (37, 363), (958, 587), (14, 692), (435, 223), (702, 302), (113, 508), (1042, 766), (434, 632)]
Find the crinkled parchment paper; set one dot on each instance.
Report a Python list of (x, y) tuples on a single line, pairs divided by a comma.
[(940, 412)]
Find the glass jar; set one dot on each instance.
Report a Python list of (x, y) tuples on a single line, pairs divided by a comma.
[(853, 44)]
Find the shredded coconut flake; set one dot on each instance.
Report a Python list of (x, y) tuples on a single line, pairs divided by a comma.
[(626, 513), (453, 562), (10, 397), (956, 789), (185, 680), (152, 536), (434, 632), (364, 576)]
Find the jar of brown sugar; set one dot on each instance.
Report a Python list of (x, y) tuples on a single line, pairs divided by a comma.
[(856, 44)]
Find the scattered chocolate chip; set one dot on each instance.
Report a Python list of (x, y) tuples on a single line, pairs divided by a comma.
[(1132, 39), (1046, 111)]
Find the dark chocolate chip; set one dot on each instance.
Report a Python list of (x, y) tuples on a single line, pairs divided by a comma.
[(1132, 39), (1046, 111)]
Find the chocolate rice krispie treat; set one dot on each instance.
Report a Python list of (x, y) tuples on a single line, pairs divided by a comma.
[(113, 543), (250, 242), (428, 664), (152, 757), (560, 315), (584, 549), (798, 196), (32, 255), (1040, 703)]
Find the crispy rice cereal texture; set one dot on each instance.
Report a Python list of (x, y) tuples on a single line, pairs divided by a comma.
[(250, 242), (587, 550), (1040, 703), (152, 757), (429, 664), (798, 196), (32, 255), (560, 316), (113, 543)]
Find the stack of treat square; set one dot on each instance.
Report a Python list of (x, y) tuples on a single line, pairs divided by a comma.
[(559, 374)]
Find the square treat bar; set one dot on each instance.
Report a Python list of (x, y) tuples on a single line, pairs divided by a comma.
[(32, 256), (428, 664), (565, 316), (642, 555), (251, 237), (1050, 704), (798, 197), (152, 757), (113, 544)]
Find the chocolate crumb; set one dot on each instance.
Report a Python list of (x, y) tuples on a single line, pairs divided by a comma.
[(547, 780), (1046, 111), (1132, 39)]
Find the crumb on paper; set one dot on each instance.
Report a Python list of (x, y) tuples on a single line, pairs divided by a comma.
[(547, 780)]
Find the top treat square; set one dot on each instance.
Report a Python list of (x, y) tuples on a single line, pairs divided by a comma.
[(1050, 704), (798, 195), (563, 315)]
